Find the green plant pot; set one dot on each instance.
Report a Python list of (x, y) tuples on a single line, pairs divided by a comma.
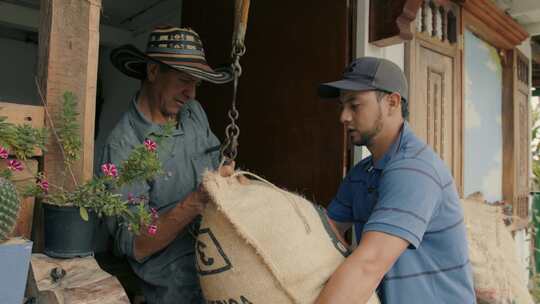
[(67, 235)]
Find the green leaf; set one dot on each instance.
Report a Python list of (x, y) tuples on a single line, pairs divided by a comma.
[(84, 213)]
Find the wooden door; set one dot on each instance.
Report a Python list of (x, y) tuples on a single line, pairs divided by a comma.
[(433, 68), (522, 128), (516, 133), (288, 135)]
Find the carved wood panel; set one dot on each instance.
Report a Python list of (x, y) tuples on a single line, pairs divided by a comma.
[(390, 21), (437, 21), (436, 110), (433, 67), (516, 133), (521, 100), (434, 104)]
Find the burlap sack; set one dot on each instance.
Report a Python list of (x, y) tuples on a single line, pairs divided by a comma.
[(496, 269), (259, 244)]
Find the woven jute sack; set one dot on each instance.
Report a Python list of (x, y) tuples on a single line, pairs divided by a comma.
[(261, 244), (497, 272)]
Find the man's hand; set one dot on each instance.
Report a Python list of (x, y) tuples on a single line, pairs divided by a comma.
[(339, 229), (195, 201), (175, 220), (169, 224), (227, 170), (373, 257)]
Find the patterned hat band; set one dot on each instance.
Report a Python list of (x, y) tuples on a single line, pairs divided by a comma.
[(180, 48), (176, 34), (177, 58), (173, 46), (172, 49), (176, 43)]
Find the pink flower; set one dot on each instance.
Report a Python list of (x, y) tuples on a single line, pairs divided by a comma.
[(3, 153), (150, 145), (152, 229), (15, 165), (109, 170), (43, 185), (131, 198), (154, 213)]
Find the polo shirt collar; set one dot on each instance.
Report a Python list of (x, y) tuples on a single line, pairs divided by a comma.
[(394, 148), (143, 126)]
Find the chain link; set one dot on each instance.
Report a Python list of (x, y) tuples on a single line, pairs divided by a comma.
[(229, 150)]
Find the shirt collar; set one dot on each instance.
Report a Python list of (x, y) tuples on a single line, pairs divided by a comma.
[(144, 127), (394, 148)]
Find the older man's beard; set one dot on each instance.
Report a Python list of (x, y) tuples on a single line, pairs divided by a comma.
[(366, 138)]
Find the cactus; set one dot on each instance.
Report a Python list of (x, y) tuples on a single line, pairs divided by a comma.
[(9, 207)]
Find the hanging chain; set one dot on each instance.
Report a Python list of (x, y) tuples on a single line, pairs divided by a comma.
[(229, 151)]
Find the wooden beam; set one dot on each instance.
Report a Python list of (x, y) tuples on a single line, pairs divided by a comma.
[(390, 21), (162, 12), (492, 24), (19, 16), (28, 19), (23, 114), (68, 61)]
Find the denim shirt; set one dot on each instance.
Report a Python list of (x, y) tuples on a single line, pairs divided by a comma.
[(169, 275)]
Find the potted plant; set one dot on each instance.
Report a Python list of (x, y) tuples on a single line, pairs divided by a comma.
[(14, 252), (20, 141), (72, 206)]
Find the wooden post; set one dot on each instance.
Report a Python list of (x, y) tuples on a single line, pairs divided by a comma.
[(68, 61)]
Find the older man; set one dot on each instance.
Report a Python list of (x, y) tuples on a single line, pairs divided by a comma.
[(170, 70)]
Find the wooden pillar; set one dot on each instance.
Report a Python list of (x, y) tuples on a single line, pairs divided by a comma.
[(68, 61), (516, 134)]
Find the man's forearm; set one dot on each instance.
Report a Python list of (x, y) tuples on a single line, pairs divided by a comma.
[(353, 282), (169, 225), (357, 278)]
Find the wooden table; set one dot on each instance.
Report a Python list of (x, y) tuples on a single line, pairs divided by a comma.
[(84, 282)]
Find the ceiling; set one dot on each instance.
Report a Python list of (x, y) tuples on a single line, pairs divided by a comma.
[(125, 14), (135, 16), (527, 13), (524, 11)]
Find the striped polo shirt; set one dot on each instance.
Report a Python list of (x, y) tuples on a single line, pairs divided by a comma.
[(410, 193)]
